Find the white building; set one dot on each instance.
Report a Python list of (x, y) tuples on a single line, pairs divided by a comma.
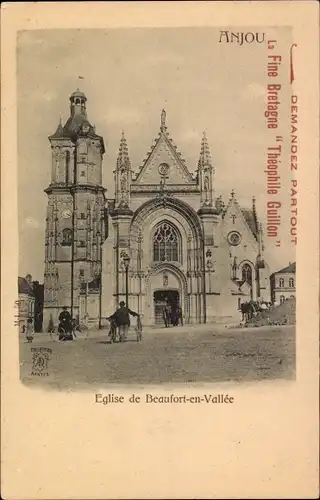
[(283, 284)]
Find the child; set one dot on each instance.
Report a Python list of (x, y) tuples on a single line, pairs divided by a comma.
[(29, 330)]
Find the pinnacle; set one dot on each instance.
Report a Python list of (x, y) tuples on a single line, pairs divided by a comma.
[(123, 155), (59, 131), (163, 120), (254, 204), (205, 156)]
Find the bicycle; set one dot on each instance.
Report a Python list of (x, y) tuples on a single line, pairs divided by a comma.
[(139, 329), (113, 332)]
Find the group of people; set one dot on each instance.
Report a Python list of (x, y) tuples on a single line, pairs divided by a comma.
[(119, 324), (172, 315)]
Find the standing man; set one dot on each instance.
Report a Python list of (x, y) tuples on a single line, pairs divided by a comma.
[(122, 320), (166, 316), (179, 316)]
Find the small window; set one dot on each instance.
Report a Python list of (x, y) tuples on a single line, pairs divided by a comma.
[(82, 215), (81, 272), (282, 298), (291, 283), (281, 282), (82, 173), (66, 237)]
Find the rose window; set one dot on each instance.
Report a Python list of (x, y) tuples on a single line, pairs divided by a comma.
[(234, 238)]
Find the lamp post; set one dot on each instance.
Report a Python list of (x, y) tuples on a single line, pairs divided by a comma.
[(126, 261)]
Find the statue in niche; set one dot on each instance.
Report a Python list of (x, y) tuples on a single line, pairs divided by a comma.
[(123, 182), (165, 280), (206, 188), (123, 188)]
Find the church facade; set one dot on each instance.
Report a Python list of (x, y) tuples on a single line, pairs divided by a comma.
[(165, 236)]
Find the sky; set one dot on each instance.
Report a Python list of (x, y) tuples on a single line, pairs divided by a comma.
[(129, 76)]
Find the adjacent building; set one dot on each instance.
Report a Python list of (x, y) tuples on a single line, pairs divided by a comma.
[(165, 228), (26, 300), (30, 302), (283, 284)]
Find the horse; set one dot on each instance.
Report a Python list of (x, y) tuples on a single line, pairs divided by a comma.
[(248, 310)]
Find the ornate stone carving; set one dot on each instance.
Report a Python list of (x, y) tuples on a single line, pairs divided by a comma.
[(155, 188)]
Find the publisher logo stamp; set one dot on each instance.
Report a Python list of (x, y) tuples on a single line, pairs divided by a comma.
[(40, 361)]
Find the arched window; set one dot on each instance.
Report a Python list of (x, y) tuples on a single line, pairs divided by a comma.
[(166, 243), (247, 274), (281, 282), (66, 237), (282, 298), (291, 283), (67, 167)]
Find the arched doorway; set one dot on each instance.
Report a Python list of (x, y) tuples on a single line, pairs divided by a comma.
[(166, 242), (161, 299)]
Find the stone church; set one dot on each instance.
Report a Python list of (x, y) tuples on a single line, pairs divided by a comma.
[(165, 230)]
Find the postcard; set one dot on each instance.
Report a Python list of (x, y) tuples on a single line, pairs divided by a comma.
[(160, 250)]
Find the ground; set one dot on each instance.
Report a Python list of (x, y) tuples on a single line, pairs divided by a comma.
[(207, 353)]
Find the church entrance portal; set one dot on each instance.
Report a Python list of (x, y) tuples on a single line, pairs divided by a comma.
[(161, 298)]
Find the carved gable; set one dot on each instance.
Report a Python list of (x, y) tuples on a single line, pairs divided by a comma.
[(235, 223), (164, 152)]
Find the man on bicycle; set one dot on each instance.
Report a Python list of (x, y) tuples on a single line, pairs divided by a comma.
[(122, 319)]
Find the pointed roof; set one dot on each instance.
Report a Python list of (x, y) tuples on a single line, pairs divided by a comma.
[(74, 126), (24, 286), (249, 216), (291, 268), (59, 132), (251, 220), (205, 156), (164, 138), (123, 155)]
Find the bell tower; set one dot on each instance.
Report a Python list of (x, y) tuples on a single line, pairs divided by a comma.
[(75, 228)]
